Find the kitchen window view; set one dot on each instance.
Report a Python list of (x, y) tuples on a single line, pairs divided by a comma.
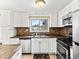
[(39, 25), (40, 29)]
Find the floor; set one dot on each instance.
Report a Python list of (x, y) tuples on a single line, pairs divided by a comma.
[(30, 56)]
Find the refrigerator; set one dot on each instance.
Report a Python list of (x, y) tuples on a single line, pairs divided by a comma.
[(75, 20)]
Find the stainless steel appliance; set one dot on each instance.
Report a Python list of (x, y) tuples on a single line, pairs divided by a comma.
[(63, 48)]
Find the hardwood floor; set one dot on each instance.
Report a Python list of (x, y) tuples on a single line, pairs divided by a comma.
[(30, 56)]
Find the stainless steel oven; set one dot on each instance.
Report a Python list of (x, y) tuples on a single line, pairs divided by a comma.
[(62, 51), (63, 48)]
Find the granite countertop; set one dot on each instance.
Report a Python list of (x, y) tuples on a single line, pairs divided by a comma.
[(29, 37), (7, 51)]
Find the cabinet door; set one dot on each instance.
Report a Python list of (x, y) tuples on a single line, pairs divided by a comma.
[(44, 45), (23, 46), (4, 18), (28, 46), (35, 45), (20, 19), (52, 45), (53, 21)]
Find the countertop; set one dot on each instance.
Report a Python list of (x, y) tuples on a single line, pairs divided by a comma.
[(7, 51), (29, 37)]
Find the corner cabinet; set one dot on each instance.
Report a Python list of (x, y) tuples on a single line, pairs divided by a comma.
[(26, 45), (43, 45)]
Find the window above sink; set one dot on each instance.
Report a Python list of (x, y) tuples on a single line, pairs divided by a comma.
[(39, 23)]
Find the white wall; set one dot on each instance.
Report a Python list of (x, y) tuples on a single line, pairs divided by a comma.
[(6, 25), (21, 19), (0, 36), (71, 7)]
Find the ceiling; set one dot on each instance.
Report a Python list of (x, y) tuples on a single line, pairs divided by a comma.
[(52, 6)]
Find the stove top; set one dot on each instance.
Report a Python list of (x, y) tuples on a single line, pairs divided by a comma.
[(66, 41)]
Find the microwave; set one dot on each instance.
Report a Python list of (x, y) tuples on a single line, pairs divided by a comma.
[(67, 21)]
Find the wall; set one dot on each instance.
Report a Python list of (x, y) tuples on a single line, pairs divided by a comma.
[(0, 36), (6, 33), (6, 25), (74, 5), (21, 19), (10, 19)]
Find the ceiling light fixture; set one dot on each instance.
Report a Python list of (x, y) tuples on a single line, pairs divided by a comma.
[(40, 3)]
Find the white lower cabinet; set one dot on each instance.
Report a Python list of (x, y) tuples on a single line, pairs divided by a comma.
[(17, 55), (39, 45), (43, 45), (35, 45), (26, 45), (52, 45)]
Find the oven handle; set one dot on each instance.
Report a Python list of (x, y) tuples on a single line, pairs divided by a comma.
[(61, 46), (76, 43), (65, 49)]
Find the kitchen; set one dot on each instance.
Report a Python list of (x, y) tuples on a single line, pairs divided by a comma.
[(31, 32)]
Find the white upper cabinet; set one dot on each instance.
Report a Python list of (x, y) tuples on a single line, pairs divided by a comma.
[(20, 19), (6, 18), (74, 5), (53, 20)]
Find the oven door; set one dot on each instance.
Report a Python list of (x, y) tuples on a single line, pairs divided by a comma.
[(62, 52)]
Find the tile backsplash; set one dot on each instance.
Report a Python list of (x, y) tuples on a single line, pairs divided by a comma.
[(53, 31)]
